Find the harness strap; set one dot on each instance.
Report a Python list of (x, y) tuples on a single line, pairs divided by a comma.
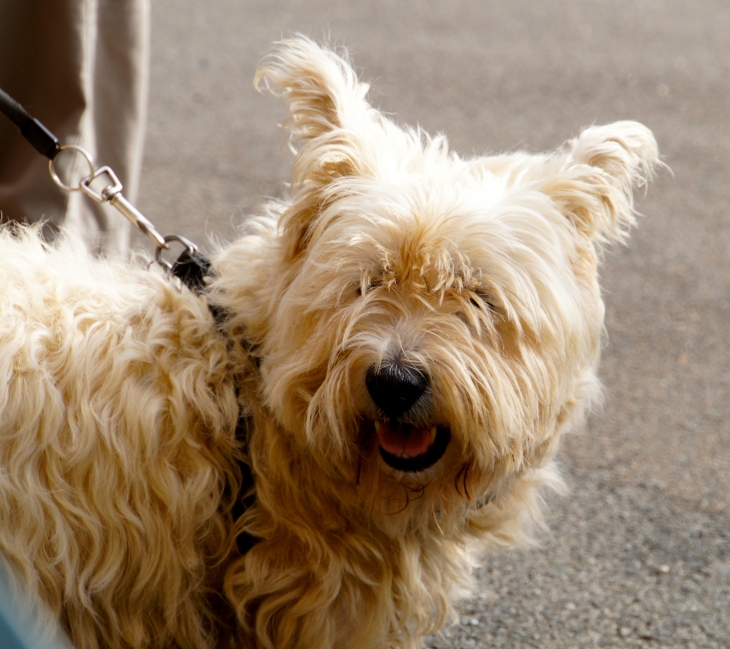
[(191, 268)]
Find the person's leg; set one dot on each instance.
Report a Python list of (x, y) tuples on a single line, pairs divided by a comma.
[(81, 68)]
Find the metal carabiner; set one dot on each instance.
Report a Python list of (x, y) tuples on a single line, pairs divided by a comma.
[(112, 194), (189, 245)]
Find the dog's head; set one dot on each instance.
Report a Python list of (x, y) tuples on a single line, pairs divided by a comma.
[(432, 322)]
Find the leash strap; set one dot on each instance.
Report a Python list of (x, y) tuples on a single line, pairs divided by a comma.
[(30, 128), (190, 268)]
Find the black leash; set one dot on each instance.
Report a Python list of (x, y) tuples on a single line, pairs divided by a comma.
[(191, 267), (30, 128)]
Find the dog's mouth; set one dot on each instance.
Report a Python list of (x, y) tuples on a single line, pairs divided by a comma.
[(409, 448)]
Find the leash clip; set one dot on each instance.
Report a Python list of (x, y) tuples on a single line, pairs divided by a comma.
[(190, 269), (190, 249), (112, 194)]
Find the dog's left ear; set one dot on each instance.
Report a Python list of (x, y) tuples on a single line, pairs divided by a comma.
[(600, 170)]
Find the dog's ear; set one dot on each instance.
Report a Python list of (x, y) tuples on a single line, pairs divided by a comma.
[(600, 170), (333, 130), (327, 108)]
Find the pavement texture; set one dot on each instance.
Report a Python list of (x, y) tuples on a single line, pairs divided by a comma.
[(638, 553)]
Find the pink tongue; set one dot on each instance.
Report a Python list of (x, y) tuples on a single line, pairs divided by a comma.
[(402, 439)]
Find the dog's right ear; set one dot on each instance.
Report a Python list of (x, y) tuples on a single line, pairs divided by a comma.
[(330, 123), (327, 108)]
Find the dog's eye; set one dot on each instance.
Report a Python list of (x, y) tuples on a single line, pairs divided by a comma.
[(482, 301), (366, 287), (363, 286)]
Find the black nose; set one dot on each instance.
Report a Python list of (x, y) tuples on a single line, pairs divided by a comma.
[(395, 388)]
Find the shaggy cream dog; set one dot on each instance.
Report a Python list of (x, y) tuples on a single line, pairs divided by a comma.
[(405, 338)]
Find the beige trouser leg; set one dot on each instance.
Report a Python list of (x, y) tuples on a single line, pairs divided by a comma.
[(81, 68)]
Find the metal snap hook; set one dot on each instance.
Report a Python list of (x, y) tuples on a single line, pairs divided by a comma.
[(189, 245)]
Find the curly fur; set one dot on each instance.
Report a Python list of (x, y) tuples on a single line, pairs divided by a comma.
[(118, 393), (116, 445)]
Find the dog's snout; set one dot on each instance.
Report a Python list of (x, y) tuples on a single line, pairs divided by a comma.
[(395, 389)]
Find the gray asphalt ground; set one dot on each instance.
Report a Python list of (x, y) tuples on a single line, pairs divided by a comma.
[(638, 553)]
